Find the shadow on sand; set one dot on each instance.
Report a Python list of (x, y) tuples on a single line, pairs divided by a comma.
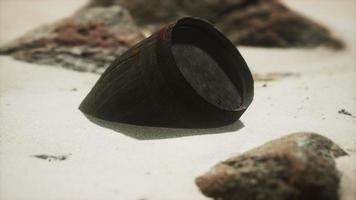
[(156, 133)]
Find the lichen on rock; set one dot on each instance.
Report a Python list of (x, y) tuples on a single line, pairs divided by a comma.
[(298, 166)]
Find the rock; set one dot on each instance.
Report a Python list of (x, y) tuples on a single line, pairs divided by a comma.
[(272, 24), (267, 23), (92, 38), (88, 41), (146, 12), (296, 167)]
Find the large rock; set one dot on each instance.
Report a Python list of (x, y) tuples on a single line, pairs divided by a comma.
[(266, 23), (146, 12), (269, 23), (92, 38), (87, 41), (296, 167)]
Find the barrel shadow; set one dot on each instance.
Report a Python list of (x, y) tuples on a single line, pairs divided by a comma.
[(156, 133)]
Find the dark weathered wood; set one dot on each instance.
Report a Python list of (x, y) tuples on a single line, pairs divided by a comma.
[(185, 75)]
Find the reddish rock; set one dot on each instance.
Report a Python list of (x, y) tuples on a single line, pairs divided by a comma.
[(88, 41), (296, 167)]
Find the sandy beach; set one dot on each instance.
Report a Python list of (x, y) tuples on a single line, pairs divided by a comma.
[(39, 115)]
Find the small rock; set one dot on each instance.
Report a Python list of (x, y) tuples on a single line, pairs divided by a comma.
[(300, 166)]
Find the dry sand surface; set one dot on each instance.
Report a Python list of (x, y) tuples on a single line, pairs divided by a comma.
[(39, 115)]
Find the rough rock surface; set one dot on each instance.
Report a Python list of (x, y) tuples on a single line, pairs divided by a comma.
[(88, 41), (94, 36), (143, 11), (270, 23), (266, 23), (296, 167)]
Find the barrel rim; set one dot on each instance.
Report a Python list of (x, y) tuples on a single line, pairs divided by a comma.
[(176, 79)]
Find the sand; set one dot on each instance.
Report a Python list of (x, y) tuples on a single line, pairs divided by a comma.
[(39, 115)]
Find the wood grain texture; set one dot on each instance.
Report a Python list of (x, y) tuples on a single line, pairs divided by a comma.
[(144, 86)]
